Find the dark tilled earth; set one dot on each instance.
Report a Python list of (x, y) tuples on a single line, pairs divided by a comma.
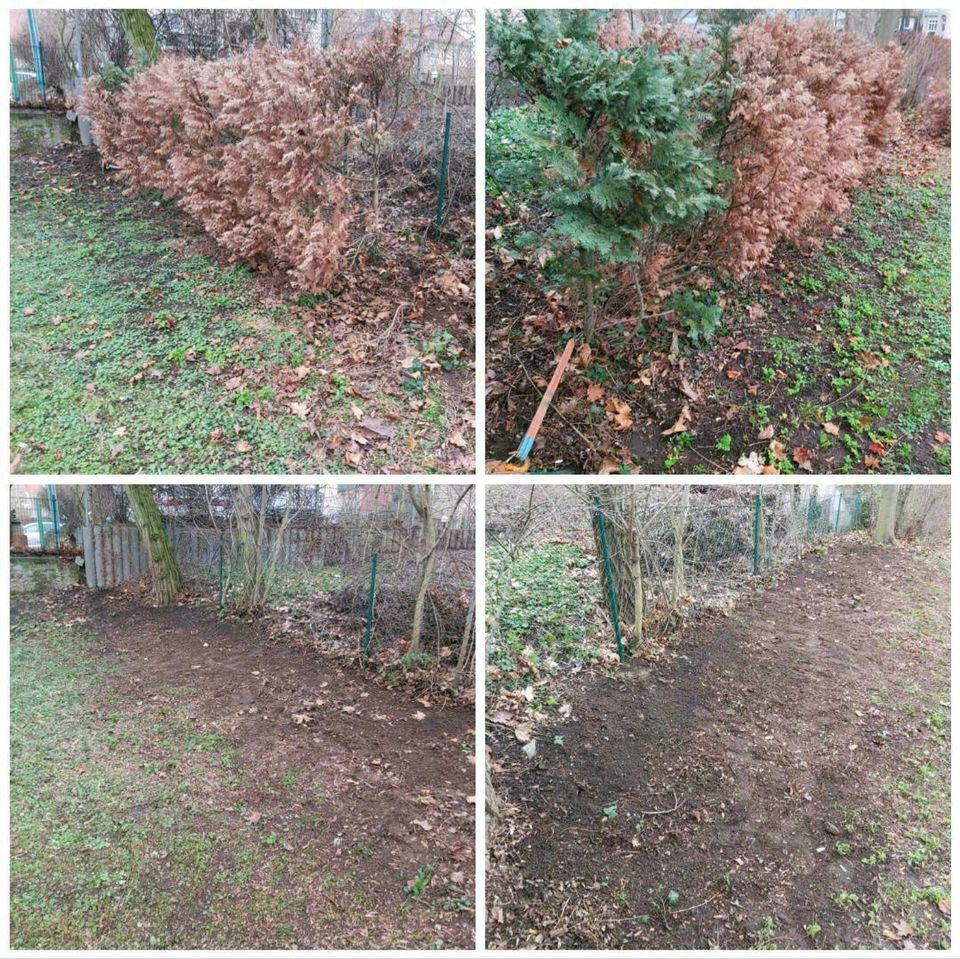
[(384, 783), (782, 782)]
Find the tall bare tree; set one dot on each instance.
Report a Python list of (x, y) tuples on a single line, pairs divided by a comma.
[(422, 499), (884, 531), (165, 578), (258, 554)]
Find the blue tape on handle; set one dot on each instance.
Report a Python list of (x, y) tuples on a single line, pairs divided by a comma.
[(525, 448)]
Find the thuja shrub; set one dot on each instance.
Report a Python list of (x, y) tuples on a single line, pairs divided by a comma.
[(665, 148), (811, 111), (250, 147), (609, 144), (935, 110)]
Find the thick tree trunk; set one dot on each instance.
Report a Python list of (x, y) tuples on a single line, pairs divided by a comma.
[(887, 25), (166, 581), (884, 530), (422, 499), (265, 24), (141, 34)]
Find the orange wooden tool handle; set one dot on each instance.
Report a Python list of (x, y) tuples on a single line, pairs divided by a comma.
[(527, 445)]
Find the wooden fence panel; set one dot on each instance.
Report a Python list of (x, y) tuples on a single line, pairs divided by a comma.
[(116, 554)]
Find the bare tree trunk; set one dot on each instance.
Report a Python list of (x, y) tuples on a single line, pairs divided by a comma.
[(589, 303), (492, 803), (165, 579), (678, 523), (265, 25), (422, 499), (885, 529), (141, 34), (886, 25), (465, 660), (377, 151), (258, 558)]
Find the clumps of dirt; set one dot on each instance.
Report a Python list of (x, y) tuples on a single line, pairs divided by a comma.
[(763, 786)]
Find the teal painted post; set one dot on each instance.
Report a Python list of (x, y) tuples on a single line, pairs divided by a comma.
[(757, 513), (37, 51), (444, 164), (611, 588), (54, 512), (373, 589)]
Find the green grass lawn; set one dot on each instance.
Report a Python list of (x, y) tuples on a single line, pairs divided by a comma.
[(96, 385), (107, 851), (133, 349), (884, 302)]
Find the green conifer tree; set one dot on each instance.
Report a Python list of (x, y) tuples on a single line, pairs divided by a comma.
[(610, 142)]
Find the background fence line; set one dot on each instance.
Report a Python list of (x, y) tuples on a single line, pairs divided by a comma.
[(114, 553)]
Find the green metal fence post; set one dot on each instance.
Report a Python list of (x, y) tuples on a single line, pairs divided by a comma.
[(373, 589), (54, 512), (444, 163), (611, 589), (836, 520), (757, 512), (37, 51), (38, 509)]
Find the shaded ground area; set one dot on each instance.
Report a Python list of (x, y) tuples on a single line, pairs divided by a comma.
[(780, 781), (134, 348), (181, 783), (835, 362)]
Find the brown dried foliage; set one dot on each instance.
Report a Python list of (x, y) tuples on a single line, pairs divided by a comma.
[(255, 148), (813, 109)]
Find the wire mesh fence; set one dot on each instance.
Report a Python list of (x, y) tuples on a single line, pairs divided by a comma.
[(28, 73), (381, 571), (643, 558), (35, 522)]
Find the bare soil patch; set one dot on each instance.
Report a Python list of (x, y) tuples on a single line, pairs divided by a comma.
[(780, 780), (333, 795)]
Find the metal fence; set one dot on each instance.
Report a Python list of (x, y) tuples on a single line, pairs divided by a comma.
[(35, 523), (694, 548), (28, 72)]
